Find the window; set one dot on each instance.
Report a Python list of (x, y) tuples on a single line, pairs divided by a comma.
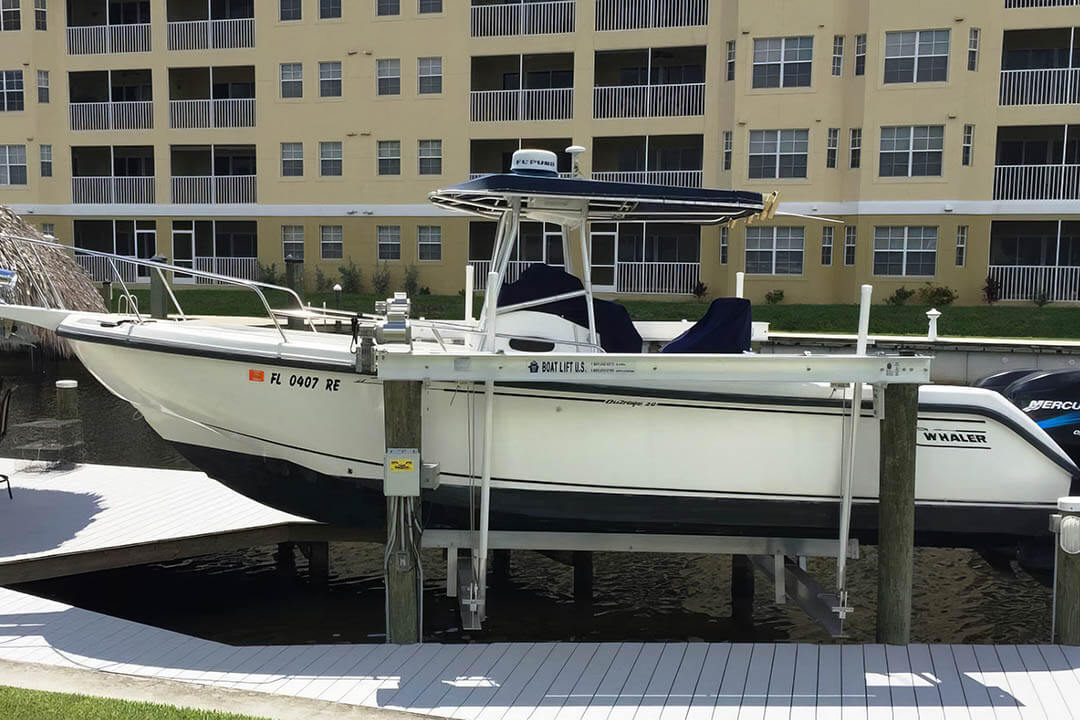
[(837, 55), (783, 62), (832, 147), (855, 148), (731, 60), (860, 54), (728, 143), (46, 161), (330, 79), (11, 90), (774, 250), (430, 156), (389, 157), (48, 229), (387, 7), (911, 151), (12, 164), (292, 241), (10, 16), (292, 159), (961, 245), (41, 15), (429, 242), (724, 235), (292, 80), (917, 56), (43, 86), (826, 245), (330, 242), (429, 6), (429, 74), (850, 236), (388, 74), (290, 9), (905, 250), (973, 49), (330, 159), (778, 153), (968, 145), (329, 9), (389, 242)]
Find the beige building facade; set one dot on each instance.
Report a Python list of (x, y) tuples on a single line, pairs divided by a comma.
[(225, 134)]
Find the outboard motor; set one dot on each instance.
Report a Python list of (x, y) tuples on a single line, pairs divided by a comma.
[(1001, 380), (1052, 399)]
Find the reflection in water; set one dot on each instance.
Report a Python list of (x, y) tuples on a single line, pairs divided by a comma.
[(243, 598)]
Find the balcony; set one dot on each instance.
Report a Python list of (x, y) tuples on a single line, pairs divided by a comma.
[(1041, 3), (1038, 163), (189, 114), (110, 100), (668, 82), (245, 268), (487, 157), (99, 27), (107, 190), (645, 258), (532, 17), (642, 14), (134, 115), (104, 175), (1036, 259), (675, 178), (213, 189), (210, 175), (1040, 67), (221, 25), (498, 96), (657, 278), (232, 105), (674, 160), (1037, 182)]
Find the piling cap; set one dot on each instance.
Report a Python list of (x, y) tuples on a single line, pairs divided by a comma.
[(72, 384), (1069, 504)]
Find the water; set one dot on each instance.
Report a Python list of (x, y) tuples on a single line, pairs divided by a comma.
[(243, 598)]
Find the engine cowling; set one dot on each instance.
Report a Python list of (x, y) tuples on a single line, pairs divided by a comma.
[(1052, 399)]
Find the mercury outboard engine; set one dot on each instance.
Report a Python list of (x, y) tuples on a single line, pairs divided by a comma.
[(1052, 399)]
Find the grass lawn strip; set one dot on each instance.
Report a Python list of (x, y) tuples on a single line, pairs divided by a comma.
[(18, 704)]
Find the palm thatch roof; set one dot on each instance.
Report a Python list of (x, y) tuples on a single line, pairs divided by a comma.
[(47, 277)]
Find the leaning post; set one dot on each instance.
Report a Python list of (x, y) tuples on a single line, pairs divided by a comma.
[(896, 513), (402, 416), (1066, 525)]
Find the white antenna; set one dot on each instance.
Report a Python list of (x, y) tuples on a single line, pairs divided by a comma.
[(575, 151)]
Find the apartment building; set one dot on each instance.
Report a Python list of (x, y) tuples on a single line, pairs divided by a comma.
[(944, 134)]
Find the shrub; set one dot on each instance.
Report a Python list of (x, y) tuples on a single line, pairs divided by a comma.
[(900, 297), (380, 280), (1041, 298), (937, 295), (992, 290), (411, 281), (269, 274), (701, 290), (774, 297), (426, 291), (322, 283), (352, 280)]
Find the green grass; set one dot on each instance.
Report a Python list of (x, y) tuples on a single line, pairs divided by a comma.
[(1023, 321), (16, 704)]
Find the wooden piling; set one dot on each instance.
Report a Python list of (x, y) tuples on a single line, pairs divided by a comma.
[(896, 513), (402, 417), (318, 555), (500, 567), (1067, 573), (742, 588), (583, 578), (67, 399)]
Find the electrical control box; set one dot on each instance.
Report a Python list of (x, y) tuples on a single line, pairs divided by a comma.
[(401, 472)]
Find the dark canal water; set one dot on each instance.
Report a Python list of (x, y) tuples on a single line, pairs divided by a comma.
[(242, 598)]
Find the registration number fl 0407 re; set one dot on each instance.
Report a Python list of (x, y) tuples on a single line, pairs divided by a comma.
[(302, 382)]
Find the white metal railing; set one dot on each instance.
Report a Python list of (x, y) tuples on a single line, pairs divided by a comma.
[(660, 278), (504, 105), (639, 14), (206, 113), (102, 190), (211, 34), (1046, 86), (101, 269), (127, 115), (102, 39), (246, 268), (546, 17), (1037, 182), (209, 189), (1041, 3), (1027, 282), (513, 271), (634, 101), (676, 178)]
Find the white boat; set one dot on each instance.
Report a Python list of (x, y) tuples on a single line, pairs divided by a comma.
[(290, 418)]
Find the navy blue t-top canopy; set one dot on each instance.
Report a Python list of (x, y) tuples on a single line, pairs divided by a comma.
[(545, 197)]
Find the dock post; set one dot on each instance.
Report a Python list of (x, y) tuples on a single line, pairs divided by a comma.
[(294, 279), (285, 559), (318, 554), (67, 399), (896, 513), (500, 567), (583, 578), (742, 588), (159, 296), (1067, 572), (402, 417)]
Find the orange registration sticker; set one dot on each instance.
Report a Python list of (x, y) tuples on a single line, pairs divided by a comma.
[(256, 376)]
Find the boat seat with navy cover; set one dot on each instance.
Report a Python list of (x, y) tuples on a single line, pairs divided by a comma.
[(725, 328)]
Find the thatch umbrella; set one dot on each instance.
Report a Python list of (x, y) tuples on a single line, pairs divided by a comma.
[(48, 277)]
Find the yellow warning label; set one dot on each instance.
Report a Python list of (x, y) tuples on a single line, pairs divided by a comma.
[(401, 466)]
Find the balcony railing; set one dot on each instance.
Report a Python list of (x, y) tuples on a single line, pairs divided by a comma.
[(226, 113), (639, 14), (212, 34), (1028, 282), (103, 190), (213, 189), (641, 101), (1048, 86), (245, 268), (656, 278), (101, 269), (504, 105), (513, 271), (525, 18), (103, 39), (1037, 182), (1041, 3), (130, 115), (676, 178)]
